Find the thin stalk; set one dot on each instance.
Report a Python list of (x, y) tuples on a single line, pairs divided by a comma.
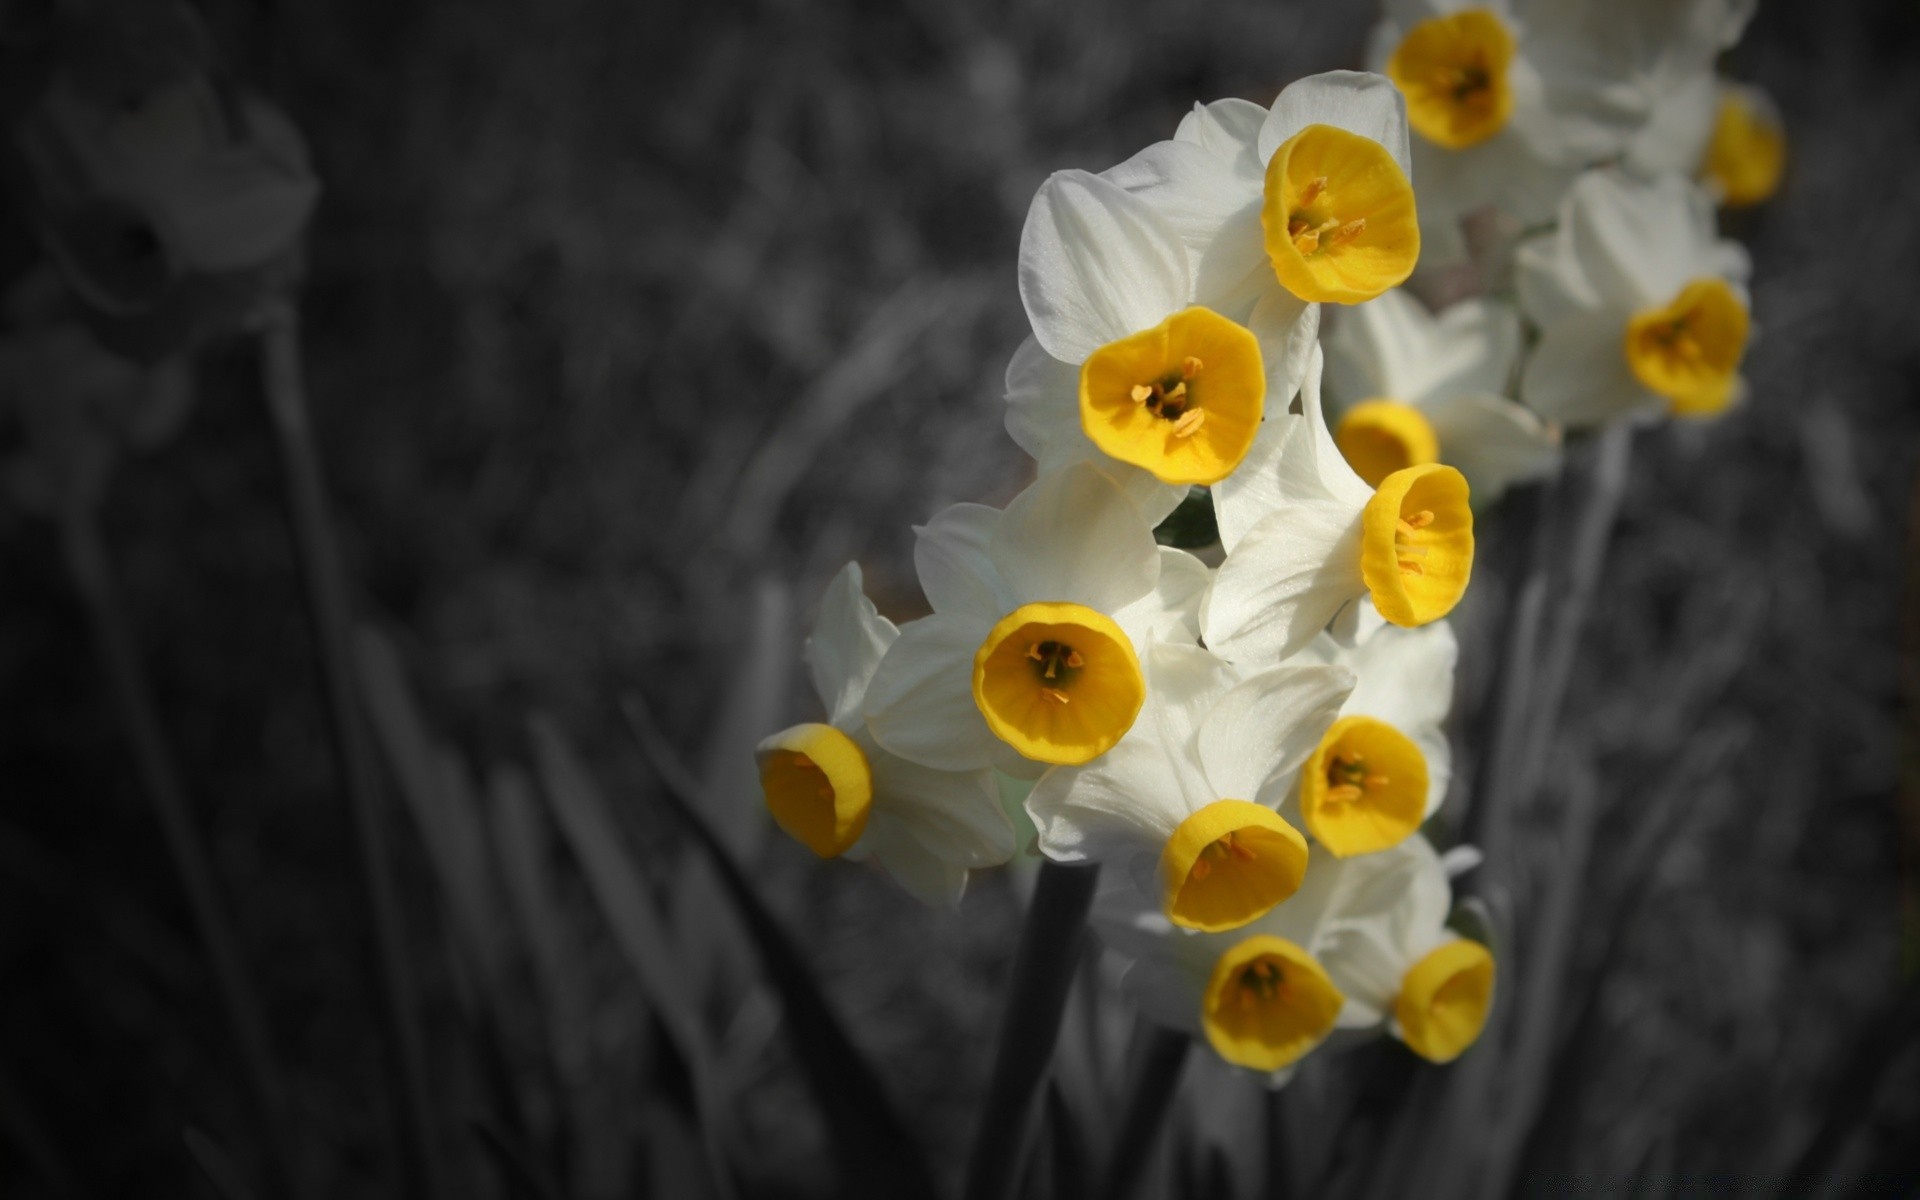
[(330, 613), (119, 651), (1149, 1099), (1043, 969)]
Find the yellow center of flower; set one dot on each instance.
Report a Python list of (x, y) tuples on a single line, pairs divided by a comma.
[(1444, 1000), (1364, 789), (1338, 217), (1689, 349), (1268, 1003), (1182, 400), (1747, 154), (1229, 863), (818, 785), (1416, 544), (1379, 437), (1453, 72), (1058, 682)]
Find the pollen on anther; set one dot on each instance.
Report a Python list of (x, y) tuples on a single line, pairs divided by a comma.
[(1054, 694), (1190, 366), (1190, 422), (1312, 191), (1141, 393), (1346, 233)]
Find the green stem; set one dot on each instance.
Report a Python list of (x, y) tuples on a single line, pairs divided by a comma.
[(1149, 1100), (119, 651), (330, 614), (1043, 970)]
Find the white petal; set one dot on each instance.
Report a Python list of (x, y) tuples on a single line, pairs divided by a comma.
[(1193, 190), (1493, 442), (920, 873), (1284, 581), (1074, 537), (1357, 101), (1097, 264), (1171, 611), (1125, 802), (1184, 683), (1578, 374), (955, 814), (1392, 348), (1168, 992), (1438, 751), (956, 571), (1043, 405), (920, 704), (1288, 329), (1675, 140), (1266, 727), (849, 639), (1293, 461), (1404, 676), (1230, 131)]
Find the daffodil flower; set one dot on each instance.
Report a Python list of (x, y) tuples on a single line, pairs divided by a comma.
[(1185, 803), (1362, 948), (1641, 306), (1408, 387), (1510, 99), (1747, 153), (1126, 368), (1382, 936), (1040, 615), (838, 793), (1309, 201), (1305, 536), (1383, 766)]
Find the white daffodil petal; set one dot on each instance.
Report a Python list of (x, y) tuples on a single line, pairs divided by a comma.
[(920, 873), (1171, 611), (1578, 374), (1357, 101), (956, 571), (1675, 140), (1124, 803), (920, 704), (1097, 264), (1494, 442), (1074, 537), (956, 815), (1288, 329), (1230, 131), (1293, 462), (1405, 676), (1266, 727), (849, 639), (1438, 751), (1283, 582), (1184, 683), (1043, 406), (1194, 190)]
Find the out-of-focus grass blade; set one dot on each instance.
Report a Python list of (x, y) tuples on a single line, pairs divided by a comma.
[(214, 1163), (441, 799), (515, 1167), (875, 1154), (1067, 1136), (582, 814), (712, 942)]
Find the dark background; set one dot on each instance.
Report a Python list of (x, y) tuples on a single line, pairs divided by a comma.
[(628, 323)]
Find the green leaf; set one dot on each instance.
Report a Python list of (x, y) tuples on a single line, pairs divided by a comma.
[(875, 1154), (1191, 526)]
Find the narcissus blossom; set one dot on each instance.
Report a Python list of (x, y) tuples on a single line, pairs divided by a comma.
[(1185, 803), (1642, 307), (1406, 387), (1305, 536), (838, 793), (1383, 766), (1362, 948), (1747, 153), (1509, 99), (1040, 615), (1308, 201)]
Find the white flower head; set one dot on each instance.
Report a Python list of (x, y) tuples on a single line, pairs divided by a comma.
[(1305, 536), (1185, 804), (837, 792), (1040, 614), (1746, 155), (1509, 99), (1408, 387), (1383, 767), (1642, 307), (1286, 207), (1362, 946)]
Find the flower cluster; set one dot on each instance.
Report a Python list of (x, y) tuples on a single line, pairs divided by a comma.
[(1250, 737)]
